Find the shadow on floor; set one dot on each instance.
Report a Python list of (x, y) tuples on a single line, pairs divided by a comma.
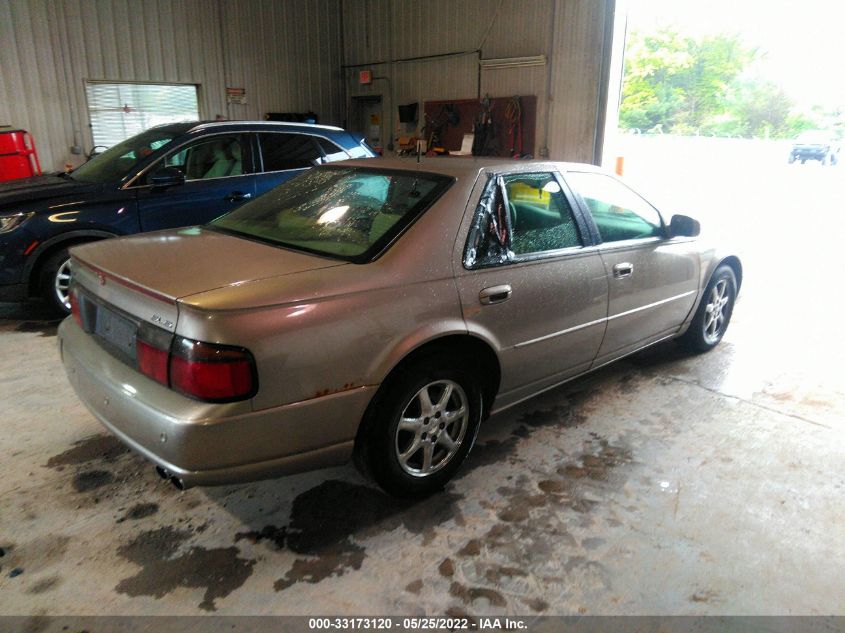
[(33, 316)]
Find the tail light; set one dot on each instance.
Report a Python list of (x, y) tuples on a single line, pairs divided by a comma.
[(205, 371), (211, 372), (74, 308), (152, 351)]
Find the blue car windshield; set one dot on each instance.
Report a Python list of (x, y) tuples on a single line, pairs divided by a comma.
[(119, 160), (349, 213)]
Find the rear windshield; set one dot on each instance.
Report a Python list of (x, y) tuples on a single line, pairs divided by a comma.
[(347, 213)]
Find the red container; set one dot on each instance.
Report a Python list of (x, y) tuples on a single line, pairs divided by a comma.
[(18, 157)]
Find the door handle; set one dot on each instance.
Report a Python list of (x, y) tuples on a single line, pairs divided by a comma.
[(495, 294), (237, 196), (622, 270)]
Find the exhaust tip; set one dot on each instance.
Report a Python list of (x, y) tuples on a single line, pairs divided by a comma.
[(165, 474)]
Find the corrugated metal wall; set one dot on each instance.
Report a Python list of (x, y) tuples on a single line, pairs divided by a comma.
[(296, 55), (286, 55), (571, 33), (579, 77)]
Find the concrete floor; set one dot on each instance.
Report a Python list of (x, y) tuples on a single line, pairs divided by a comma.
[(665, 484)]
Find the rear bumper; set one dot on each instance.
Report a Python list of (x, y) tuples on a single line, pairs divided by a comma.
[(205, 444)]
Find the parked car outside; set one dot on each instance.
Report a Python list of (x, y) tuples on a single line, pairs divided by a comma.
[(381, 311), (815, 145), (168, 176)]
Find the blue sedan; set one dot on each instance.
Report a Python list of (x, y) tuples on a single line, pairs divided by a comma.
[(169, 176)]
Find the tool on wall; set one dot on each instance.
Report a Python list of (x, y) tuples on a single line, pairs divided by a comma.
[(513, 115), (483, 129), (436, 127)]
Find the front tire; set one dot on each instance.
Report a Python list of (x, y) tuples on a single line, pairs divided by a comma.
[(714, 312), (54, 282), (421, 426)]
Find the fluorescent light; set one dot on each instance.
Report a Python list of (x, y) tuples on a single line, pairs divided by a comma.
[(513, 62)]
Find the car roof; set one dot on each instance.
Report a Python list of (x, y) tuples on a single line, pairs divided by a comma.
[(458, 166), (194, 127)]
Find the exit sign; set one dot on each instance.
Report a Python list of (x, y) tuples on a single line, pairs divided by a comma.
[(365, 76)]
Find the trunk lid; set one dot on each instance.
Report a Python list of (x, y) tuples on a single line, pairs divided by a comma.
[(170, 265), (126, 282)]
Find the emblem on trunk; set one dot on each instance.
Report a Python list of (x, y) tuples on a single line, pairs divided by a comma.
[(162, 321), (101, 278)]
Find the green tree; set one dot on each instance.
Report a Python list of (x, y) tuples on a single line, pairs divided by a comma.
[(762, 107), (676, 83)]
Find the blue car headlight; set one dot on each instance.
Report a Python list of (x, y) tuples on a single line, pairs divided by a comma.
[(10, 222)]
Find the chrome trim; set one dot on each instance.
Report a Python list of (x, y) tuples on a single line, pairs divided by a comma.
[(139, 187), (651, 305), (602, 320), (540, 257), (567, 251), (623, 270), (496, 410), (621, 244), (495, 294), (211, 124), (561, 333)]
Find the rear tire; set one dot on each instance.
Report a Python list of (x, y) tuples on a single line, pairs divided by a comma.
[(54, 282), (420, 427), (714, 312)]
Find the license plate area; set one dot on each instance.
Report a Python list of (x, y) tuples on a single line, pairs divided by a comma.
[(116, 332)]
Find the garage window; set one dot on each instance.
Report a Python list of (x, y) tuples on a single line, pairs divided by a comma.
[(120, 110)]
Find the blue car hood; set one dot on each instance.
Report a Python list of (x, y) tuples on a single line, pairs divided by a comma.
[(26, 190)]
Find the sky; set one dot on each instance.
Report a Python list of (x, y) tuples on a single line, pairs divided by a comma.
[(803, 40)]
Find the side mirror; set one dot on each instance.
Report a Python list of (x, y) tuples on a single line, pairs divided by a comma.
[(95, 151), (684, 226), (167, 177)]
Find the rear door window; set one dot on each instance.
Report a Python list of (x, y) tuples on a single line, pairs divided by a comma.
[(332, 152), (519, 216), (541, 218), (281, 151)]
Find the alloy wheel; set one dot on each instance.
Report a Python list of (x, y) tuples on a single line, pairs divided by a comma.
[(715, 312), (431, 428), (61, 284)]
